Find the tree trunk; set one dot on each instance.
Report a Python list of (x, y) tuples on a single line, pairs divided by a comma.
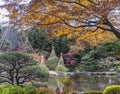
[(116, 32), (113, 29)]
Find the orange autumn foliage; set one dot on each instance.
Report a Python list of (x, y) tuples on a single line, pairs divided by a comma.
[(78, 19), (47, 90)]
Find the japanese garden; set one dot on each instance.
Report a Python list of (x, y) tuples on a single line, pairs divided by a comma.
[(59, 46)]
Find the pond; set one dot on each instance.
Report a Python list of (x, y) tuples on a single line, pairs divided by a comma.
[(84, 82)]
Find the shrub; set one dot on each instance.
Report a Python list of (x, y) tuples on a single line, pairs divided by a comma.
[(89, 64), (52, 62), (27, 89), (39, 84), (114, 89), (9, 89), (61, 69), (93, 92), (118, 69)]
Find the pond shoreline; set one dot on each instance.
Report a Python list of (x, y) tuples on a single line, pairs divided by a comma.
[(53, 73)]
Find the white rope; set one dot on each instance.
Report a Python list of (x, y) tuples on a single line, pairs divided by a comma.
[(61, 61), (4, 37), (52, 52)]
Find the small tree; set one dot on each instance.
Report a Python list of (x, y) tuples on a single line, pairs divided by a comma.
[(52, 62), (18, 68), (61, 69)]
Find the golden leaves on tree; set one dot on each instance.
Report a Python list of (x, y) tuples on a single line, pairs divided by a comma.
[(71, 18)]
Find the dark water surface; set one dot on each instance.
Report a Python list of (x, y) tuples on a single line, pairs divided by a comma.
[(84, 82)]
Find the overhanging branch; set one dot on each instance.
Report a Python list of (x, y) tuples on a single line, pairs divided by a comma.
[(66, 23), (76, 3)]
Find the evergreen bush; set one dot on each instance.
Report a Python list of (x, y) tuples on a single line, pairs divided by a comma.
[(113, 89), (52, 62), (27, 89), (19, 66), (118, 69), (61, 69)]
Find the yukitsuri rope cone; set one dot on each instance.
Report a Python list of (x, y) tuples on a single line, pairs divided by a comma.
[(14, 40), (61, 61), (52, 52), (52, 61), (61, 66)]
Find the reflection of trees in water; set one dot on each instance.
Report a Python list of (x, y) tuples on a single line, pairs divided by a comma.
[(64, 83), (82, 82), (86, 82)]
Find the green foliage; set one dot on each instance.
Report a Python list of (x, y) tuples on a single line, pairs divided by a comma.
[(21, 67), (67, 81), (118, 69), (9, 89), (52, 62), (93, 92), (40, 84), (64, 83), (41, 72), (89, 65), (61, 44), (61, 69), (14, 89), (114, 89), (40, 40), (90, 58)]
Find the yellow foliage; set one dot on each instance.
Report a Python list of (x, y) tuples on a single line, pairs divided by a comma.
[(59, 33), (69, 36), (58, 15), (85, 2), (94, 38), (14, 15)]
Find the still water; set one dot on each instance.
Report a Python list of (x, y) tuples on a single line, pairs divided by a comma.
[(84, 82)]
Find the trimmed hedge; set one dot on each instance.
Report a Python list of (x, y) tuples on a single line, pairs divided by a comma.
[(14, 89), (61, 69), (113, 89), (52, 62)]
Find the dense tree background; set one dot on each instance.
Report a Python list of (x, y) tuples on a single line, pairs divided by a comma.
[(42, 42), (101, 57), (79, 20)]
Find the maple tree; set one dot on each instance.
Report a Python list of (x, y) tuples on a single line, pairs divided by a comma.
[(74, 18)]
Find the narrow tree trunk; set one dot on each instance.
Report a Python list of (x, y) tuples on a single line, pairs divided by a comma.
[(117, 33), (113, 29), (11, 76)]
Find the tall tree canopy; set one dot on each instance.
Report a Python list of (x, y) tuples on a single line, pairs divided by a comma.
[(72, 17)]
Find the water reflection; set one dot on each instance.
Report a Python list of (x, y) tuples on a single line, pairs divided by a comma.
[(83, 82)]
